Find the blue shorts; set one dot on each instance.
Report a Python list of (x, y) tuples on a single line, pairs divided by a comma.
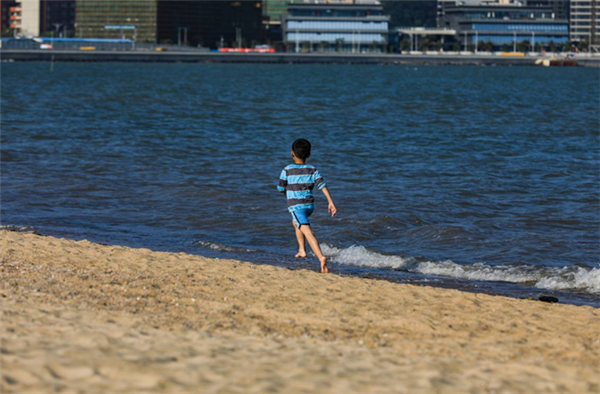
[(300, 216)]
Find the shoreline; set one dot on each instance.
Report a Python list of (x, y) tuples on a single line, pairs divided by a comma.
[(509, 289), (83, 316), (277, 58)]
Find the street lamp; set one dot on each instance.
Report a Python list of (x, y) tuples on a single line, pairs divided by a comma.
[(297, 41), (57, 27)]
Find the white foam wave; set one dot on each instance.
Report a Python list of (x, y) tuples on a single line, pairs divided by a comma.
[(361, 257), (566, 278), (224, 248), (477, 271), (581, 279)]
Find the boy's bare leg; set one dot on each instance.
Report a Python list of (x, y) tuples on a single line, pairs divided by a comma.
[(301, 244), (314, 244)]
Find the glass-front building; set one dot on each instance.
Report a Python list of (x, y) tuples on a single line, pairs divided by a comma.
[(92, 17), (205, 23), (336, 27), (505, 24)]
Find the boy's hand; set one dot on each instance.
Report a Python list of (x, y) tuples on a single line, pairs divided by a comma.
[(332, 209)]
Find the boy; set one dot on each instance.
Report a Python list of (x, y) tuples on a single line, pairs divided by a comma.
[(298, 181)]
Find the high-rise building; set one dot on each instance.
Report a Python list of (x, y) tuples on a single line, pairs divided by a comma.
[(206, 23), (584, 21), (10, 15), (32, 18), (116, 18), (57, 17)]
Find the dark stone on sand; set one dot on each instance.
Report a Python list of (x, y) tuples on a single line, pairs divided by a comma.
[(548, 299)]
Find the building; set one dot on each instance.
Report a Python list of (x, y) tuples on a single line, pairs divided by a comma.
[(205, 23), (274, 10), (10, 14), (443, 4), (584, 21), (229, 23), (57, 18), (34, 18), (355, 27), (30, 18), (504, 24), (102, 19), (560, 8)]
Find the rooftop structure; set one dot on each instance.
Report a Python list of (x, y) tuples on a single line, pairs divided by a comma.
[(336, 26)]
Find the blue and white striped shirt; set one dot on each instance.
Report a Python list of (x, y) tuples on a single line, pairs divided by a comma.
[(298, 182)]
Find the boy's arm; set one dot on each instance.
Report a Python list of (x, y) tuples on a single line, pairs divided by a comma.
[(332, 209), (282, 185)]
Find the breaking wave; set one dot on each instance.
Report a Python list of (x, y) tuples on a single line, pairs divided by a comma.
[(566, 278), (19, 229), (224, 248)]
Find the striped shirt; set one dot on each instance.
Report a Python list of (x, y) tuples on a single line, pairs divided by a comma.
[(298, 182)]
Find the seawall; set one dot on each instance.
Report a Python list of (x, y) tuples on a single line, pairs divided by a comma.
[(282, 58)]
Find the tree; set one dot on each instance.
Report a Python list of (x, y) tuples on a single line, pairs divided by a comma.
[(488, 46), (405, 45), (339, 44), (538, 47), (439, 46), (456, 46), (424, 44), (471, 47), (552, 46), (506, 47), (523, 46)]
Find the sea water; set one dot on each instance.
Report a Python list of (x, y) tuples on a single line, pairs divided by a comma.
[(479, 178)]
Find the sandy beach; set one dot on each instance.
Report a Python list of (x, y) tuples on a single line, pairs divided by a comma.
[(79, 317)]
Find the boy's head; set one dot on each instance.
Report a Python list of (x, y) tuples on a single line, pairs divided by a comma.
[(301, 148)]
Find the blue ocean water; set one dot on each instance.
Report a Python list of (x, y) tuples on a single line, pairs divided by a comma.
[(481, 178)]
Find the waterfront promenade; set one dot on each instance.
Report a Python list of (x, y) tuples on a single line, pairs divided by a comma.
[(295, 58)]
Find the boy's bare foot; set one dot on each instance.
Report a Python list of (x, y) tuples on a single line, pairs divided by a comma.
[(301, 254), (324, 269)]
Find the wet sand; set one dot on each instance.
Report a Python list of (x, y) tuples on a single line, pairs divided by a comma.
[(79, 317)]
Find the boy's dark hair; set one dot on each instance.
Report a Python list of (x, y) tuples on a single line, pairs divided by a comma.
[(301, 148)]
